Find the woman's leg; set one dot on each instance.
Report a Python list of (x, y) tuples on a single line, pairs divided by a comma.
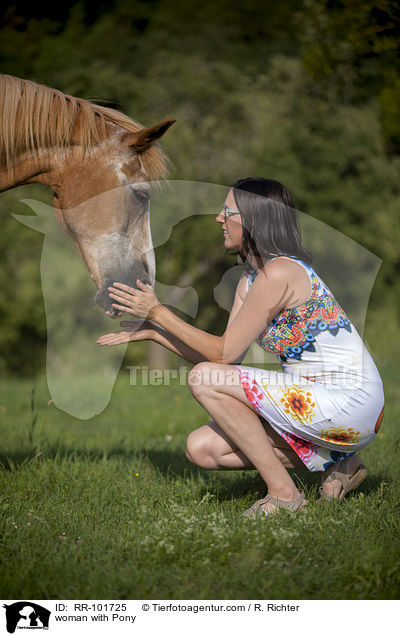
[(209, 447), (218, 389)]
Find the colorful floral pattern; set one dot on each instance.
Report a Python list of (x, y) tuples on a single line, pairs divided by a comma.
[(304, 449), (340, 435), (312, 455), (298, 403), (295, 330)]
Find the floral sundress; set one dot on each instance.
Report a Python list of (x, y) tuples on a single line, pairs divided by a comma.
[(328, 402)]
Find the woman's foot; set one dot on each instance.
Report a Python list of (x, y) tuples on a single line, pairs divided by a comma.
[(284, 496), (271, 505), (332, 488)]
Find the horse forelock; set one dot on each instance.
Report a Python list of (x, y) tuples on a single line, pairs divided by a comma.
[(35, 117)]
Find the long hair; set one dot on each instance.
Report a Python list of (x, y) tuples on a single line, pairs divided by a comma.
[(34, 117), (269, 220)]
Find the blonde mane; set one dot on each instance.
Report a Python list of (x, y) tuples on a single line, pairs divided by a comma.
[(34, 116)]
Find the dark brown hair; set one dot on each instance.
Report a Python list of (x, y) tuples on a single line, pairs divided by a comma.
[(269, 219)]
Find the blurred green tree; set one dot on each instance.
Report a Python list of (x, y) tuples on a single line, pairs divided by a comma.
[(352, 49)]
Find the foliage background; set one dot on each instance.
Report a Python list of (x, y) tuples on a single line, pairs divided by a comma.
[(305, 92)]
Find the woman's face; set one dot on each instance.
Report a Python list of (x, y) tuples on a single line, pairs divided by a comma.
[(231, 224)]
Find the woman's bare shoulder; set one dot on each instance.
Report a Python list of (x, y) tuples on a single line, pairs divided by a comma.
[(283, 268), (292, 275)]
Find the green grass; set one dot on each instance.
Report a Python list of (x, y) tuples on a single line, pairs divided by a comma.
[(111, 509)]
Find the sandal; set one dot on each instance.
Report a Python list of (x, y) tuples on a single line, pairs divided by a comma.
[(256, 511), (349, 482)]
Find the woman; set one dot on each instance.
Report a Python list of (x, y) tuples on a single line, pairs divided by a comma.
[(327, 403)]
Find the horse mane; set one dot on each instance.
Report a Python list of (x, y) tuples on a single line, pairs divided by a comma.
[(34, 116)]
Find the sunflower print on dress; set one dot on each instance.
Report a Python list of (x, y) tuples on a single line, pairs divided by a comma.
[(295, 330), (298, 403), (340, 435)]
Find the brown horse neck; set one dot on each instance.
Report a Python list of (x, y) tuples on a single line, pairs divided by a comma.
[(29, 169)]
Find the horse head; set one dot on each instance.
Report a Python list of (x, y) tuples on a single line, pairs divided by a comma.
[(98, 162), (102, 199)]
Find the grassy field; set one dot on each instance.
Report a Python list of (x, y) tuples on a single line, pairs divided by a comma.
[(111, 509)]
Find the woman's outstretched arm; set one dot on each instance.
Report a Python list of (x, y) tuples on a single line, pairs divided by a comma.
[(137, 330), (174, 344)]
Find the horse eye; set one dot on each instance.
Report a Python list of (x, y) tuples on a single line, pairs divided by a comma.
[(142, 195)]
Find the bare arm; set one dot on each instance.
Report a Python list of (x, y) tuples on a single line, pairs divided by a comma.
[(174, 344), (137, 330)]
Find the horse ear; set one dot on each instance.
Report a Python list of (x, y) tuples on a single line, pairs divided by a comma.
[(140, 141)]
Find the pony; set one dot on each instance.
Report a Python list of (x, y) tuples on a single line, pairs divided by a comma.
[(99, 163)]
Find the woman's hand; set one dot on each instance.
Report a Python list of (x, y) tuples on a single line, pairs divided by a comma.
[(138, 302), (134, 331)]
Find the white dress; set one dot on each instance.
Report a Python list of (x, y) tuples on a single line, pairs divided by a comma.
[(329, 401)]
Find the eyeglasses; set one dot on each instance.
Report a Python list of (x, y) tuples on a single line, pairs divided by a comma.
[(227, 212)]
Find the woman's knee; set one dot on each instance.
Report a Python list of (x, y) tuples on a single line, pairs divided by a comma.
[(198, 449), (200, 379)]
